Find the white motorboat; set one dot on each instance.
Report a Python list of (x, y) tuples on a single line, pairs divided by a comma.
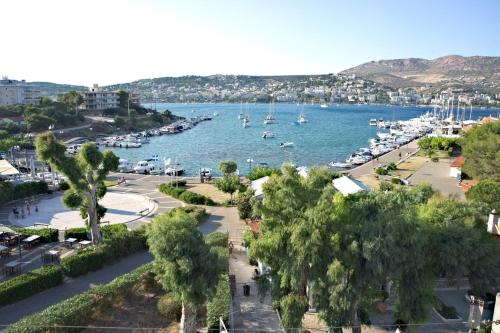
[(173, 168), (324, 106), (302, 118), (216, 114), (125, 166), (146, 167), (286, 144), (206, 172), (241, 116), (340, 165), (270, 117), (373, 122), (246, 122), (267, 135)]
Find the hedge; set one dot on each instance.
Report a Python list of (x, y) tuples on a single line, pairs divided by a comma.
[(220, 304), (185, 195), (216, 238), (115, 247), (9, 191), (47, 235), (198, 213), (78, 310), (30, 283), (83, 233), (260, 172)]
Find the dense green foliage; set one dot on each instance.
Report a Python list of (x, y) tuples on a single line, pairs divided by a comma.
[(486, 193), (244, 204), (217, 239), (78, 310), (228, 167), (9, 192), (179, 192), (78, 233), (30, 283), (220, 303), (83, 233), (228, 184), (481, 152), (345, 248), (47, 235), (85, 174), (437, 143), (259, 172), (116, 246), (170, 307)]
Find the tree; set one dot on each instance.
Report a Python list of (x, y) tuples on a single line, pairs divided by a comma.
[(487, 194), (228, 167), (187, 266), (86, 174), (481, 153), (38, 122), (228, 184), (72, 100)]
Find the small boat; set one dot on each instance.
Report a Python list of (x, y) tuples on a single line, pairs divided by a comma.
[(246, 122), (340, 165), (216, 114), (173, 168), (373, 122), (286, 144), (324, 106), (241, 116), (302, 118), (146, 167), (270, 118), (267, 135)]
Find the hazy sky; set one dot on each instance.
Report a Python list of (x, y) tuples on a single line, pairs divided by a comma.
[(107, 41)]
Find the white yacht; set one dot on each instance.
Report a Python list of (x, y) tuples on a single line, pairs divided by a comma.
[(286, 144), (246, 122), (340, 165), (267, 135), (125, 166), (324, 106), (373, 122), (173, 168), (270, 117), (216, 114), (302, 118), (147, 167)]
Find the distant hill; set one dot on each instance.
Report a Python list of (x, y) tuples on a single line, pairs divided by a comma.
[(53, 89), (476, 73)]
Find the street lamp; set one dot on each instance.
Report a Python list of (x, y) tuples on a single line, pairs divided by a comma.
[(250, 161)]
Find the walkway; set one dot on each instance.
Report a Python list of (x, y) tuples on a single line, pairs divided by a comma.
[(71, 287), (393, 156)]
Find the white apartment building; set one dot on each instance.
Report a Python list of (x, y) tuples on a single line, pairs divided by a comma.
[(17, 92), (96, 99)]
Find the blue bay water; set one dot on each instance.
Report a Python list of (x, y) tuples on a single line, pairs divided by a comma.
[(332, 133)]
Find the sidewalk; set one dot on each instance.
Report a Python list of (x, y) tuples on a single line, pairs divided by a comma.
[(11, 313)]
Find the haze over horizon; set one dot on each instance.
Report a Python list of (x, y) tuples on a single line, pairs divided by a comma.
[(85, 42)]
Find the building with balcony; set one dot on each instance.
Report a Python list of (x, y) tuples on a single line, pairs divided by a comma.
[(97, 99), (17, 92)]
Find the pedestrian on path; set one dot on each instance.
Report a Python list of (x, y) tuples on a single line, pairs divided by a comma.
[(400, 156)]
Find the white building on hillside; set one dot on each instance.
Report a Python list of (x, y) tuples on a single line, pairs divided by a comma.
[(96, 99), (17, 92)]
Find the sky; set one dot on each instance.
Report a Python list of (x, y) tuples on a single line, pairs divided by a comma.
[(109, 41)]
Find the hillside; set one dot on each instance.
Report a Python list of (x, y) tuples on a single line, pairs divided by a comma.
[(52, 89), (469, 73)]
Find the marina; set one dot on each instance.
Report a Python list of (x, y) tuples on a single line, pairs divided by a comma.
[(329, 137)]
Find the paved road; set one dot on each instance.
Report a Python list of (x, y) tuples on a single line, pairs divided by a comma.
[(393, 156), (438, 174)]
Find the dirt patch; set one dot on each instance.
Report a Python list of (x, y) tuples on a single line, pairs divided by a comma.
[(210, 191), (135, 310)]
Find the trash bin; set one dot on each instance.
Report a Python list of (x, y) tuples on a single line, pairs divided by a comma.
[(246, 290)]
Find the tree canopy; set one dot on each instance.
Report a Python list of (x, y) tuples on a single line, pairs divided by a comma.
[(228, 167), (85, 174), (480, 148)]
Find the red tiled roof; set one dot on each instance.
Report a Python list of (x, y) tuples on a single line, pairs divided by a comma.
[(457, 162)]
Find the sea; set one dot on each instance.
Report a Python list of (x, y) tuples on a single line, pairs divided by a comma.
[(331, 134)]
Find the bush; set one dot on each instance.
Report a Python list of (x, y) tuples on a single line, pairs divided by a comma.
[(78, 233), (9, 192), (47, 235), (396, 181), (386, 186), (391, 166), (111, 229), (28, 284), (79, 309), (260, 172), (186, 196), (381, 171), (115, 247), (435, 159), (219, 239), (198, 213), (244, 205), (170, 307), (177, 183), (219, 305), (63, 185)]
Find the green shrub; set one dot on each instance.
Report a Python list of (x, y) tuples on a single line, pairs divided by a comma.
[(244, 205), (186, 196), (79, 309), (177, 183), (115, 247), (9, 192), (450, 151), (396, 181), (220, 303), (170, 307), (391, 166), (63, 185), (28, 284), (381, 171), (216, 238), (386, 186), (248, 238), (260, 172), (111, 229), (78, 233), (435, 159), (47, 235), (198, 213)]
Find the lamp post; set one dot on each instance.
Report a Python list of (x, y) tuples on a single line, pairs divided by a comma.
[(250, 161)]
